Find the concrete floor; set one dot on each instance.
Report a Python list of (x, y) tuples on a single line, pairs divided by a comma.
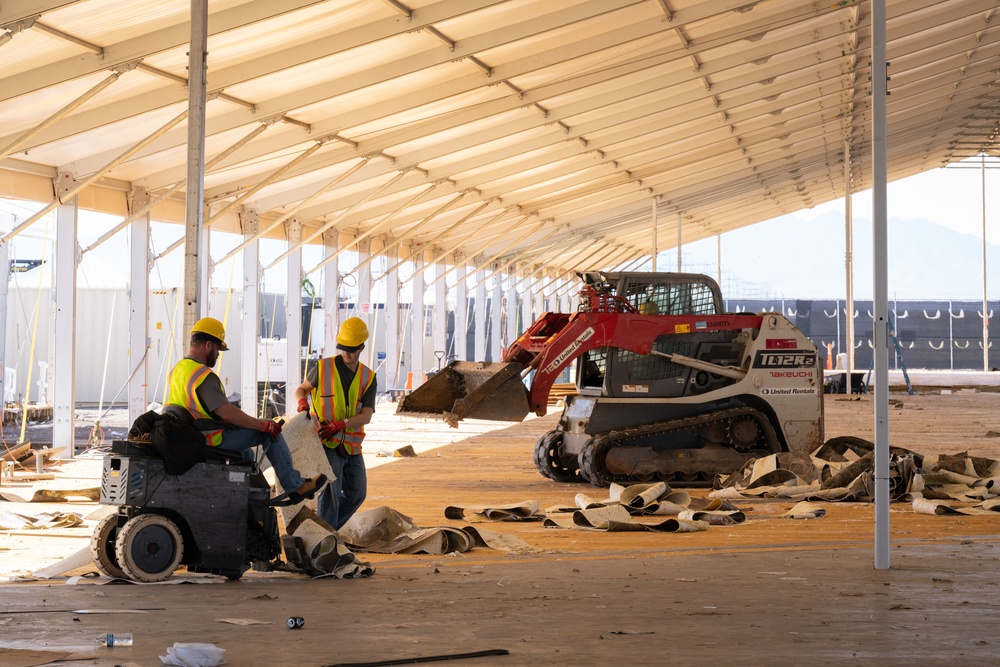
[(766, 592)]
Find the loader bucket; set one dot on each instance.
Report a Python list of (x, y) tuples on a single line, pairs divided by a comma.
[(470, 389)]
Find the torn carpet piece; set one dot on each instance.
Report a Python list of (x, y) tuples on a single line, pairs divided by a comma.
[(641, 495), (805, 510), (323, 556), (61, 495), (384, 530), (938, 508), (729, 518), (434, 541), (488, 539), (14, 521), (617, 519), (525, 511)]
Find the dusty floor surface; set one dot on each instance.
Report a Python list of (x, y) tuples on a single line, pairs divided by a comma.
[(768, 592)]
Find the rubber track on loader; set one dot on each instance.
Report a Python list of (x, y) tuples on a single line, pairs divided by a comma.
[(594, 455)]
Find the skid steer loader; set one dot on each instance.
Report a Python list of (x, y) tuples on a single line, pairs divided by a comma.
[(669, 387)]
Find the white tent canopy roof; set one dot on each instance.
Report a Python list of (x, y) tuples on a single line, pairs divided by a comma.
[(445, 124)]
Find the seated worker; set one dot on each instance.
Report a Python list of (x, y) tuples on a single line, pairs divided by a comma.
[(197, 391), (343, 397)]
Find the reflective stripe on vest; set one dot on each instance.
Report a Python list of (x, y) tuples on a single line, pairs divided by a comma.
[(185, 378), (330, 403)]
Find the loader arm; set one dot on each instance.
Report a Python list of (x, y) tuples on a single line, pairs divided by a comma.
[(629, 331)]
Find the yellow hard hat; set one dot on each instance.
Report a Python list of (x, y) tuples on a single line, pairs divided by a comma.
[(649, 308), (353, 333), (211, 327)]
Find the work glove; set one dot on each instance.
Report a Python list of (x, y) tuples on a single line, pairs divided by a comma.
[(342, 450), (303, 404), (330, 429), (272, 428)]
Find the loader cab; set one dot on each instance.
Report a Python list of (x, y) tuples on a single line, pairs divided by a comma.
[(670, 293), (648, 294)]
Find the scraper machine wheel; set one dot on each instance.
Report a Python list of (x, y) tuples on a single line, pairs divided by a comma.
[(149, 547), (102, 547)]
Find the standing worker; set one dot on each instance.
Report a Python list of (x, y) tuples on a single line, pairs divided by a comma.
[(196, 393), (343, 398)]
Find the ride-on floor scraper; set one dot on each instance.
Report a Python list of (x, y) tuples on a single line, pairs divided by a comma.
[(669, 386), (217, 517)]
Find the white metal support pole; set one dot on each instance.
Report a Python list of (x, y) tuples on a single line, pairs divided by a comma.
[(440, 325), (526, 294), (195, 194), (417, 317), (138, 300), (496, 310), (250, 331), (880, 247), (363, 307), (849, 263), (986, 312), (461, 310), (64, 342), (480, 306), (656, 248), (331, 292), (205, 269), (680, 242), (513, 309), (293, 311), (4, 283), (538, 300), (393, 367), (718, 259)]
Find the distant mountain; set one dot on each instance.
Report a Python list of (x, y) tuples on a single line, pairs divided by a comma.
[(796, 258)]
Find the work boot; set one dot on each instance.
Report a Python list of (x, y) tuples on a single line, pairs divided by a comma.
[(310, 487)]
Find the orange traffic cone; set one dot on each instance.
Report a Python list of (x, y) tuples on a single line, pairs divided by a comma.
[(409, 380)]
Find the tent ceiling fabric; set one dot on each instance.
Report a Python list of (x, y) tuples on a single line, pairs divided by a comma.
[(537, 129)]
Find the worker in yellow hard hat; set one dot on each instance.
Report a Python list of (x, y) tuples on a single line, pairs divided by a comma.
[(343, 400), (196, 396)]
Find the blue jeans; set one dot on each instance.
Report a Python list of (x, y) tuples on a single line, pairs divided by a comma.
[(243, 439), (342, 497)]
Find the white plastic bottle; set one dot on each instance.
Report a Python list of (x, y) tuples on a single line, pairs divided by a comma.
[(121, 639)]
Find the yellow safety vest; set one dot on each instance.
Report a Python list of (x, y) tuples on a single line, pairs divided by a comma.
[(331, 402), (185, 378)]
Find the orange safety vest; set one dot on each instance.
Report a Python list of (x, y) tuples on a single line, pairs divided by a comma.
[(185, 378), (331, 402)]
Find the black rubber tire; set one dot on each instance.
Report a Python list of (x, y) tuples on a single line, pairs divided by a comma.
[(102, 547), (149, 547), (551, 464)]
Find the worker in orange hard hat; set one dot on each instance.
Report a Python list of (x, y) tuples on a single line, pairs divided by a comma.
[(343, 398), (196, 396)]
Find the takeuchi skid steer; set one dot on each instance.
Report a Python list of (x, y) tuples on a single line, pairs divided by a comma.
[(669, 387)]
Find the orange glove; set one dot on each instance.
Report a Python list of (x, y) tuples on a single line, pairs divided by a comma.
[(303, 404), (330, 429), (272, 428)]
